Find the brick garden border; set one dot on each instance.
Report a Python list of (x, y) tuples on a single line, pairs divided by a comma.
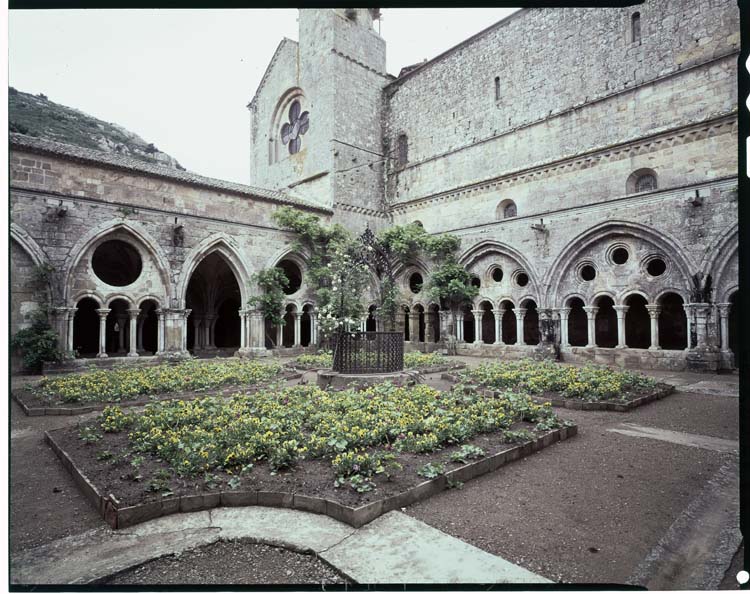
[(573, 404), (82, 410), (119, 516)]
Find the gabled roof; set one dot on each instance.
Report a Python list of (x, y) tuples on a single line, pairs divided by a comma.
[(276, 54), (101, 158)]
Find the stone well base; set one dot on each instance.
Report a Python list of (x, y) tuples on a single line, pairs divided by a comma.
[(328, 379)]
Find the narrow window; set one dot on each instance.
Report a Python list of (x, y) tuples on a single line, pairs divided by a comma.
[(645, 183), (510, 210), (403, 150), (497, 88), (635, 26)]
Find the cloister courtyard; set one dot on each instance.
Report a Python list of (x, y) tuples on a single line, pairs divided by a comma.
[(643, 495)]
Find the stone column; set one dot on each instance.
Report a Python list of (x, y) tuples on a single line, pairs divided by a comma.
[(700, 312), (257, 333), (478, 313), (520, 315), (243, 324), (429, 326), (279, 336), (197, 334), (121, 334), (460, 327), (445, 324), (621, 310), (160, 320), (414, 327), (297, 329), (132, 327), (313, 327), (564, 312), (653, 314), (103, 313), (704, 356), (498, 313), (183, 330), (591, 318), (140, 321), (208, 331), (71, 317), (724, 309)]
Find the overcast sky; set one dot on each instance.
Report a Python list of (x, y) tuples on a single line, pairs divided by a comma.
[(182, 78)]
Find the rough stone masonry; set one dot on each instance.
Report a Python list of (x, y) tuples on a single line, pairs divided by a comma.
[(586, 157)]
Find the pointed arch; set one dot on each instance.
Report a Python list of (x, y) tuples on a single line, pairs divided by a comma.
[(716, 261), (35, 252), (665, 242), (489, 246), (223, 245), (97, 233)]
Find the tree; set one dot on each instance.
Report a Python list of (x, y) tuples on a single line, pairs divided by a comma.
[(38, 342)]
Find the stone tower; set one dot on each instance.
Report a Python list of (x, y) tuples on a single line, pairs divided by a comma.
[(316, 125)]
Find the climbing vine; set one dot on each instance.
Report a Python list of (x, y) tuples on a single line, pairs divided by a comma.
[(272, 282)]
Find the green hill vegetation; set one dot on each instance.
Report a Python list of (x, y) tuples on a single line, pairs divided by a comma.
[(36, 115)]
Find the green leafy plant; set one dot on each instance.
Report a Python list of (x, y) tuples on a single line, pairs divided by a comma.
[(272, 281), (431, 470), (466, 453), (88, 434), (38, 343)]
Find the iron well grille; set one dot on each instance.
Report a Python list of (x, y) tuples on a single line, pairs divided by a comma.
[(368, 352)]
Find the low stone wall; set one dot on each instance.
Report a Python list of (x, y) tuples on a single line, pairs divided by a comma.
[(629, 358)]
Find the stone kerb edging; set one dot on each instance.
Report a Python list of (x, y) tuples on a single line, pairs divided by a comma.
[(572, 404), (422, 370), (81, 410), (119, 516)]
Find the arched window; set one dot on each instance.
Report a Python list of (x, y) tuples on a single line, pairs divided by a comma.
[(641, 180), (645, 183), (635, 26), (497, 88), (292, 131), (403, 150), (506, 210)]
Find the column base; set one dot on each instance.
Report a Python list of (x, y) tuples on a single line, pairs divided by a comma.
[(101, 355), (133, 355), (702, 360), (174, 355), (654, 348), (499, 343), (621, 346)]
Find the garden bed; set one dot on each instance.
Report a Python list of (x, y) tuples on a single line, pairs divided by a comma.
[(87, 392), (113, 459), (579, 388), (421, 362)]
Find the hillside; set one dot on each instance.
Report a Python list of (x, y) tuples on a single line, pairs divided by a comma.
[(35, 115)]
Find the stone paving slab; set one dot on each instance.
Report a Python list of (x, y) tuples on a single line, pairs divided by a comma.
[(399, 549), (713, 387), (688, 439)]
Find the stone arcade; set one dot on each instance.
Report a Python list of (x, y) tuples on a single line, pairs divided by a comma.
[(585, 157)]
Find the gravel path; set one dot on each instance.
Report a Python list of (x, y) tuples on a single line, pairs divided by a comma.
[(232, 562)]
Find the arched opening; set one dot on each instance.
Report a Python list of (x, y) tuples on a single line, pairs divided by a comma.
[(672, 322), (488, 322), (509, 323), (641, 180), (530, 322), (734, 322), (578, 334), (117, 263), (415, 282), (86, 328), (371, 324), (226, 327), (271, 334), (214, 298), (635, 27), (420, 331), (407, 329), (434, 311), (637, 323), (293, 273), (306, 326), (147, 331), (117, 332), (605, 324), (469, 334), (287, 332)]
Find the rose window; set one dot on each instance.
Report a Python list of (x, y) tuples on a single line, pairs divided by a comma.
[(291, 132)]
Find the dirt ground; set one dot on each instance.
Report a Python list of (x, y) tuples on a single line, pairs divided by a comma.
[(585, 510)]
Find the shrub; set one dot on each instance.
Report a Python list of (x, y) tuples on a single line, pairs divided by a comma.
[(37, 343)]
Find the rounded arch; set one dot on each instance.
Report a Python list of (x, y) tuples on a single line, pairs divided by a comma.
[(223, 245), (598, 295), (504, 299), (88, 294), (100, 232), (663, 241), (506, 209), (473, 254), (565, 301), (287, 253), (641, 180), (149, 297), (684, 295), (625, 293), (115, 296), (22, 238)]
